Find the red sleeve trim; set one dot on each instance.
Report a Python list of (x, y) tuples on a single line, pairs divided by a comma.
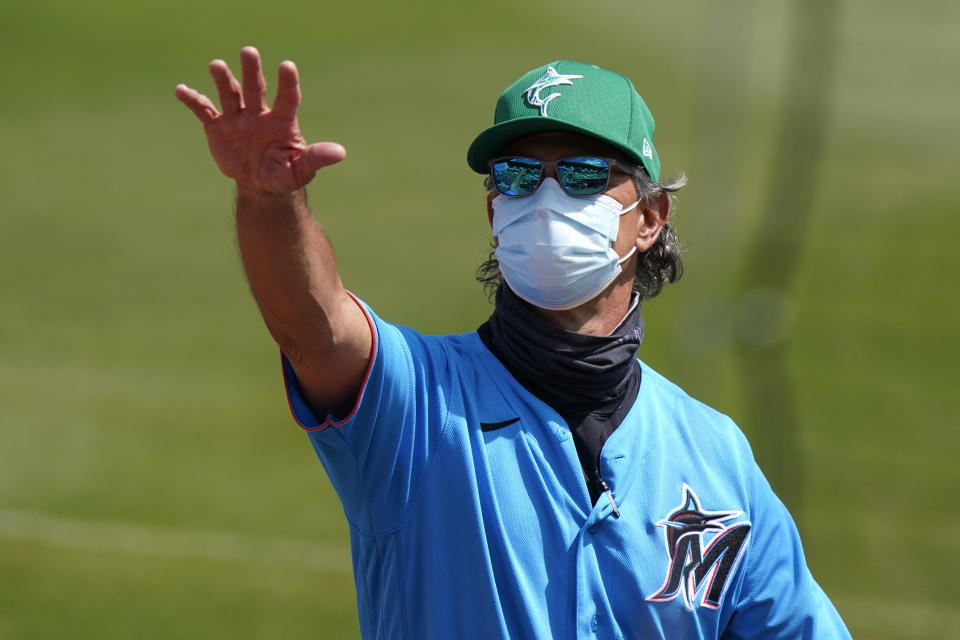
[(330, 422)]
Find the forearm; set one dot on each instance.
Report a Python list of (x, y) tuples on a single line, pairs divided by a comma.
[(292, 273), (290, 266)]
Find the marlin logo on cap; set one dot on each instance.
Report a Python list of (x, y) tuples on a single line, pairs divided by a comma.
[(549, 79)]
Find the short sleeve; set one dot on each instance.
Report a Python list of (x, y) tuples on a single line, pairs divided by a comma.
[(376, 456), (779, 597)]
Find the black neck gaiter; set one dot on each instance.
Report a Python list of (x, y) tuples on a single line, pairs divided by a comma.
[(591, 381)]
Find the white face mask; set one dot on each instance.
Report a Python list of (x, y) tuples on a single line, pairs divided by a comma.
[(555, 251)]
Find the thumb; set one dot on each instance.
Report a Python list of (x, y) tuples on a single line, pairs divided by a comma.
[(315, 157)]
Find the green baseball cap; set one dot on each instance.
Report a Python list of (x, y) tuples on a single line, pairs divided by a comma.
[(575, 97)]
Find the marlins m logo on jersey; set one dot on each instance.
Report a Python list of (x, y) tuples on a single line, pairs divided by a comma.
[(693, 564), (549, 79)]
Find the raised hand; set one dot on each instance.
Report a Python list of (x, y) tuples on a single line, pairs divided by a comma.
[(261, 148)]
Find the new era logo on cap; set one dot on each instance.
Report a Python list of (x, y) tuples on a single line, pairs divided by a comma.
[(549, 79)]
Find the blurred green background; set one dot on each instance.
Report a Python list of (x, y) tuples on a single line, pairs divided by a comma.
[(152, 484)]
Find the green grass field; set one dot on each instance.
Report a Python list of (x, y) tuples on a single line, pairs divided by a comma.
[(152, 483)]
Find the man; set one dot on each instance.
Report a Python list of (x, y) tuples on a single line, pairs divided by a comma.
[(532, 479)]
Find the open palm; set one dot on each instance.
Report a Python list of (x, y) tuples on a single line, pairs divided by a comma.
[(259, 147)]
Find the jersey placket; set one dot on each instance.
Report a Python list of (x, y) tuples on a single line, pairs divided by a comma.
[(592, 613), (594, 616)]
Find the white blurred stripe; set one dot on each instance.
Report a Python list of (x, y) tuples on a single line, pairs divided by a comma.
[(298, 553), (224, 546)]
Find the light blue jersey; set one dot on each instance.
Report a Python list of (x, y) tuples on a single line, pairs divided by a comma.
[(470, 518)]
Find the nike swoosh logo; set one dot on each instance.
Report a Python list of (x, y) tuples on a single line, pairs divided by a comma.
[(492, 426)]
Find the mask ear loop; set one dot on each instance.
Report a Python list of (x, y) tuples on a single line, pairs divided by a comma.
[(636, 183), (633, 249), (631, 207)]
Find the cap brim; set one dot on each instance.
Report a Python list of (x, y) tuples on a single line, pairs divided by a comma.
[(491, 142)]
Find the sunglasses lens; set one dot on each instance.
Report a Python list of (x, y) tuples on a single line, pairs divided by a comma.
[(517, 176), (583, 176)]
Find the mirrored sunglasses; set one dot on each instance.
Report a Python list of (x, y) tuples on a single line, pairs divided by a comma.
[(578, 176)]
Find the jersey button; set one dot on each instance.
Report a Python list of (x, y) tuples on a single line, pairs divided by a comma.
[(595, 623)]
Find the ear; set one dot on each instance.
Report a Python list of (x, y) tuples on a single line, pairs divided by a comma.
[(653, 213), (490, 197)]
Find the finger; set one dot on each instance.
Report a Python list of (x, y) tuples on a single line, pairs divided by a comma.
[(288, 91), (254, 86), (227, 87), (315, 157), (200, 104)]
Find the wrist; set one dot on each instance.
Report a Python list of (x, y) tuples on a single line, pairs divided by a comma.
[(246, 191)]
